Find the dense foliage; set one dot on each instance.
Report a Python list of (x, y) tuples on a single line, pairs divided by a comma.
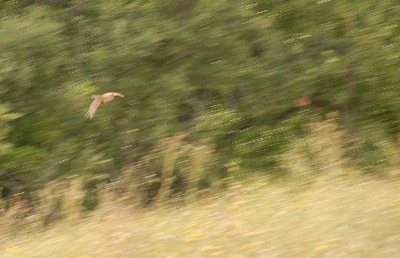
[(212, 88)]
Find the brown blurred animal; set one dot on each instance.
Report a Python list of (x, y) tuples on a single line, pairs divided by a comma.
[(98, 99)]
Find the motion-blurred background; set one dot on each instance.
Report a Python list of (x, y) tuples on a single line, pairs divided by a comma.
[(216, 93)]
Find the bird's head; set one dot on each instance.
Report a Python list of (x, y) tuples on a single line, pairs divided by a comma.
[(118, 94)]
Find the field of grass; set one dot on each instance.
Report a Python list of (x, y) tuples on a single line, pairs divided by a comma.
[(330, 218)]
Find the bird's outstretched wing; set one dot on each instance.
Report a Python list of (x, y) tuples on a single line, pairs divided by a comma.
[(93, 107)]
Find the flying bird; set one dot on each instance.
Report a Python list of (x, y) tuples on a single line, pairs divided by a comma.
[(98, 99)]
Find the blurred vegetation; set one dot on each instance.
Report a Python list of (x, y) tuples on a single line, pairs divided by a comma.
[(215, 91)]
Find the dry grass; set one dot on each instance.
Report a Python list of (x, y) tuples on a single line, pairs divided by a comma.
[(331, 218)]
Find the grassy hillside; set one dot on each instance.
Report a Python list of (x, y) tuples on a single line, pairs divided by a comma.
[(330, 218)]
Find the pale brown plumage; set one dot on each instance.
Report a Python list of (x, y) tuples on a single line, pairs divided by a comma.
[(98, 99)]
